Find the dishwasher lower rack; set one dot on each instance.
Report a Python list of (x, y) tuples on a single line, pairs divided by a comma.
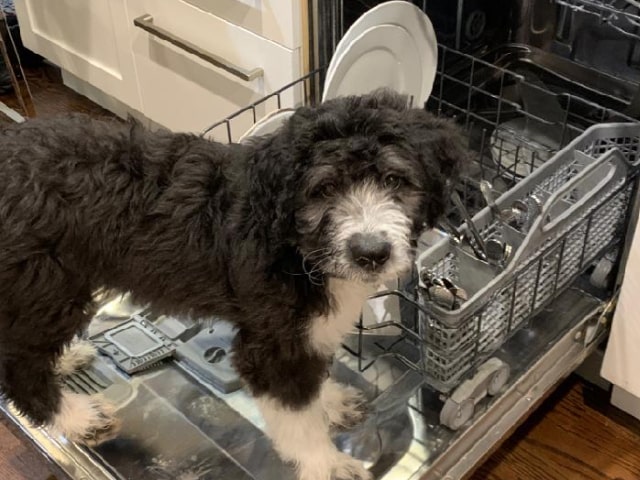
[(452, 353)]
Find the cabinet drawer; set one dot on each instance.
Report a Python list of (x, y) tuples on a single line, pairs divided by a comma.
[(88, 39), (190, 64), (277, 20)]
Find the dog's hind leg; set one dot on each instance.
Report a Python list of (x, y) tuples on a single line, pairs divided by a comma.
[(31, 347), (77, 355)]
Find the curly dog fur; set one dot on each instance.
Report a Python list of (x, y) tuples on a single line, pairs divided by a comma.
[(198, 228)]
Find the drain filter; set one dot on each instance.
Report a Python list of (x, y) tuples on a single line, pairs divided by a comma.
[(134, 345)]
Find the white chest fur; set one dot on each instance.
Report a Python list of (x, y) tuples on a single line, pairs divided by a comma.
[(326, 332)]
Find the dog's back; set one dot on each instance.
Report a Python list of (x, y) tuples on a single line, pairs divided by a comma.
[(57, 178), (86, 192), (82, 201)]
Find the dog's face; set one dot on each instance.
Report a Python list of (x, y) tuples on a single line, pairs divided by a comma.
[(377, 173), (358, 209), (364, 175)]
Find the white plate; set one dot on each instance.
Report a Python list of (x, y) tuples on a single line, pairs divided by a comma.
[(417, 25), (267, 124), (383, 56), (397, 12)]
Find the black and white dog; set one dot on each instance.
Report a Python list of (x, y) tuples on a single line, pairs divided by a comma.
[(285, 237)]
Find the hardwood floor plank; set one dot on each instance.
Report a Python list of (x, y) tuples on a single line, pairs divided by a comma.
[(19, 460), (51, 97), (569, 437)]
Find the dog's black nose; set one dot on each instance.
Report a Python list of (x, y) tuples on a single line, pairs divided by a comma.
[(368, 250)]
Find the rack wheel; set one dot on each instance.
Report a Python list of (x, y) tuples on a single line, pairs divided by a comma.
[(454, 415), (600, 275), (498, 379)]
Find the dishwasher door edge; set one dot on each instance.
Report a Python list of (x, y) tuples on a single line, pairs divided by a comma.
[(512, 408), (72, 459)]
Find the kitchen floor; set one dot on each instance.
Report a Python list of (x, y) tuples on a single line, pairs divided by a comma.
[(574, 434)]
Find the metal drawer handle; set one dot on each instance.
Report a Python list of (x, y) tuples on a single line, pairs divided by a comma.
[(145, 22)]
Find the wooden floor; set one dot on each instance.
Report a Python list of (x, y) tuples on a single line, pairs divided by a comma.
[(51, 97), (575, 434), (19, 460)]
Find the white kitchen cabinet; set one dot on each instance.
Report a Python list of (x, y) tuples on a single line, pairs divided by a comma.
[(87, 38), (276, 20), (622, 356), (183, 64), (183, 91)]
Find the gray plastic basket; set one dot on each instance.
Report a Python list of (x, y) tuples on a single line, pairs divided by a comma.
[(584, 192)]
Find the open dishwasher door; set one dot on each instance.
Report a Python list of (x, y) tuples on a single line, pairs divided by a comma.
[(433, 417), (179, 423)]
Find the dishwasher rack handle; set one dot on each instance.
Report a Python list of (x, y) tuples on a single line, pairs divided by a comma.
[(612, 170)]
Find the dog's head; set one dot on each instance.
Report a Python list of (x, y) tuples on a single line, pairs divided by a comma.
[(354, 181)]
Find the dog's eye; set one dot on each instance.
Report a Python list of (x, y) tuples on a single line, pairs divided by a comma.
[(394, 182), (324, 191)]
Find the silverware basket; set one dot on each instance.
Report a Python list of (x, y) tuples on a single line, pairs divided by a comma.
[(584, 193)]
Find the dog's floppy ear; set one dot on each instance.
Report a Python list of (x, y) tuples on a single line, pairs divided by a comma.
[(441, 149), (274, 173)]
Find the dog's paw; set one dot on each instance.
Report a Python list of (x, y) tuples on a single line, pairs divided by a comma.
[(336, 466), (344, 405), (348, 468), (76, 356), (85, 419)]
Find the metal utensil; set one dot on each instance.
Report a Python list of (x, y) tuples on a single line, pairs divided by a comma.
[(487, 192), (457, 237), (495, 251), (504, 216), (482, 252), (443, 291), (459, 294), (526, 211)]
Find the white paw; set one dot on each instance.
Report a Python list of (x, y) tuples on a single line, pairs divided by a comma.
[(75, 357), (333, 465), (348, 468), (86, 419), (345, 406)]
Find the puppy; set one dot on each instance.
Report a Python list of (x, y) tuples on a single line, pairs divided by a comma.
[(286, 237)]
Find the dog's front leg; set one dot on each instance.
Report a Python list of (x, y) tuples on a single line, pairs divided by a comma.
[(289, 382), (344, 405), (301, 436)]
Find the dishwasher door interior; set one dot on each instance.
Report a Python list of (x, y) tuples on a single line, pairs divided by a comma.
[(512, 73)]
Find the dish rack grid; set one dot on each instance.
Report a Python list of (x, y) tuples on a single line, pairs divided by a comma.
[(303, 87), (622, 15), (479, 96), (485, 99), (475, 93)]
